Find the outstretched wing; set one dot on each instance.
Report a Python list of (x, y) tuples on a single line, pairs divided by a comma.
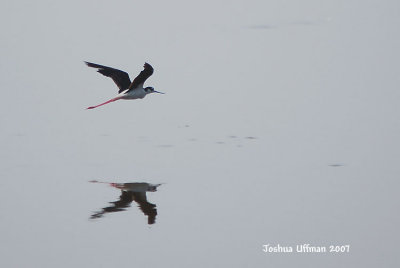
[(119, 77), (149, 209), (122, 204), (142, 77)]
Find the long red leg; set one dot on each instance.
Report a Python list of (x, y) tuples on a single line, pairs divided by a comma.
[(92, 107), (112, 184)]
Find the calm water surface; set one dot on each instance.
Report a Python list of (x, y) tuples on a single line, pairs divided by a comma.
[(279, 126)]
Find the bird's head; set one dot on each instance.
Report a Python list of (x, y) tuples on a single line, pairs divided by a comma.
[(149, 90)]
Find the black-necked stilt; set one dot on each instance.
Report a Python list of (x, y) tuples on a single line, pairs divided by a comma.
[(133, 191), (127, 90)]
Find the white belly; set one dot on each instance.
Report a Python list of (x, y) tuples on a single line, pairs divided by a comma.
[(134, 94)]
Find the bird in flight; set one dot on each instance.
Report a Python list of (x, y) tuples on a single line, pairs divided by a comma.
[(127, 90)]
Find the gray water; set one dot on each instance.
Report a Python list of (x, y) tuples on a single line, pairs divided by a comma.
[(279, 125)]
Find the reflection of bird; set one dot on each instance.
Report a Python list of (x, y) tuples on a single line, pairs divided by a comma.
[(127, 90), (135, 191)]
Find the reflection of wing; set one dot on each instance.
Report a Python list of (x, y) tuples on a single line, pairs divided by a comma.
[(124, 202), (146, 207)]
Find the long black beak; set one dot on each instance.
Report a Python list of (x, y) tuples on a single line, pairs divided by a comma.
[(158, 92)]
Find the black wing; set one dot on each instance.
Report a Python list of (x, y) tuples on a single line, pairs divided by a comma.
[(149, 209), (142, 77), (122, 204), (120, 78)]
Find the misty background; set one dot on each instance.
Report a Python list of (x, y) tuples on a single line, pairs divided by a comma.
[(279, 125)]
